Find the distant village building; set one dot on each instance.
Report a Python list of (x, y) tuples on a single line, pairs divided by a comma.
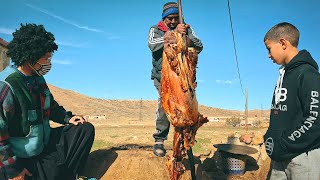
[(243, 123), (218, 119), (97, 117), (4, 59), (213, 119)]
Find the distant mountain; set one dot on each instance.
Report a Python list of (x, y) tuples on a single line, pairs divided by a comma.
[(128, 109)]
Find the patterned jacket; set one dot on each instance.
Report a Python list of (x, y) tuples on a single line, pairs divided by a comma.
[(26, 107)]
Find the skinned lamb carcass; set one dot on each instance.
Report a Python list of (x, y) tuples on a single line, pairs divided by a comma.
[(178, 97)]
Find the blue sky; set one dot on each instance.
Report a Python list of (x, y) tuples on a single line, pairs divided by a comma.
[(103, 48)]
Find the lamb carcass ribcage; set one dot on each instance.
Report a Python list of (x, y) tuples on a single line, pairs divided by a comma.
[(178, 97)]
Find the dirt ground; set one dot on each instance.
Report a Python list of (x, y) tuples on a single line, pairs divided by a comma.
[(123, 150)]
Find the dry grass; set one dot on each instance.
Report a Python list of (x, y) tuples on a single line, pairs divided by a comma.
[(142, 164), (113, 134)]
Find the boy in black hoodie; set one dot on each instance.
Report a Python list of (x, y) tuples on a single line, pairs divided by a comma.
[(293, 138)]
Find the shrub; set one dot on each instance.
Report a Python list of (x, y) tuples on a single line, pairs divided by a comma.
[(233, 121)]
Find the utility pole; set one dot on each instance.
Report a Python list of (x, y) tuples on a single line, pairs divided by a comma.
[(261, 114), (140, 114), (246, 110)]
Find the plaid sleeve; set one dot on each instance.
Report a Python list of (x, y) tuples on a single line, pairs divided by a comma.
[(8, 161)]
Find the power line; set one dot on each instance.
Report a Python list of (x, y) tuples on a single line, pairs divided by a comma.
[(234, 47)]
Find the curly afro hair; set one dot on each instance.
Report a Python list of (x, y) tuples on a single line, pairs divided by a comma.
[(30, 43)]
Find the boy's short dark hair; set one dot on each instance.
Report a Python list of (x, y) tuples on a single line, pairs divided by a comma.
[(30, 43), (284, 30)]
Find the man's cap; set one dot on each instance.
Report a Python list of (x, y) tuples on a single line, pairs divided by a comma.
[(170, 8)]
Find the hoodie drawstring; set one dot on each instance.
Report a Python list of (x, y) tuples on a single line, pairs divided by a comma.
[(277, 92)]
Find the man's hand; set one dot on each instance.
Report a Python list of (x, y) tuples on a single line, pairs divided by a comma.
[(21, 176), (75, 120), (182, 28)]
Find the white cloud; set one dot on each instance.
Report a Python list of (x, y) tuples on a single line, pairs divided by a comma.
[(6, 31), (200, 80), (62, 62), (64, 19), (69, 44), (224, 81)]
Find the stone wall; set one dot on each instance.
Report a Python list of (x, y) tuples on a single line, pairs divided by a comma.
[(4, 59)]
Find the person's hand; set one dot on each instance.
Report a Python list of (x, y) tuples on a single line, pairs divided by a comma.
[(21, 176), (182, 28), (75, 120)]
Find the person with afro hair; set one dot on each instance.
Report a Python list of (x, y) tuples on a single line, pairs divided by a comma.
[(29, 147)]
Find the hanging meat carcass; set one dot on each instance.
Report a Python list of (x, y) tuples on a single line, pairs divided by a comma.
[(178, 97)]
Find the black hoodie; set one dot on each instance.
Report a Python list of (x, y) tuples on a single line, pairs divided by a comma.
[(294, 119)]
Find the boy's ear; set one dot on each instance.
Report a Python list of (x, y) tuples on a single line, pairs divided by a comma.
[(284, 43)]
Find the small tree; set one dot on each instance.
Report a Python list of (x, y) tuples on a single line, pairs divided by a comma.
[(257, 123), (233, 121)]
